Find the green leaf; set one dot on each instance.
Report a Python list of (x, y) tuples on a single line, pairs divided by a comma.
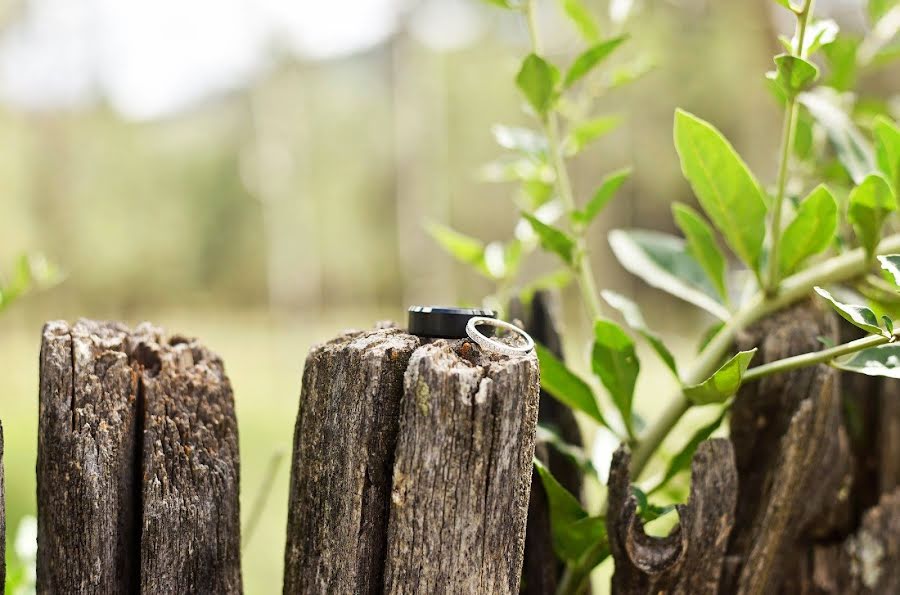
[(501, 3), (608, 187), (463, 248), (634, 319), (853, 150), (702, 245), (887, 150), (879, 8), (883, 360), (724, 383), (590, 58), (724, 186), (615, 362), (582, 18), (662, 261), (786, 4), (859, 316), (575, 454), (682, 460), (811, 231), (793, 74), (870, 204), (573, 531), (537, 80), (819, 34), (565, 386), (524, 140), (888, 324), (842, 62), (587, 132), (552, 239), (647, 510), (891, 263)]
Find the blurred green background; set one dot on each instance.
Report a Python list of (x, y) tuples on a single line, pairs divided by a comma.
[(257, 174)]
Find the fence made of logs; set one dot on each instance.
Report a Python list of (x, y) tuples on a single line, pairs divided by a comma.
[(412, 472)]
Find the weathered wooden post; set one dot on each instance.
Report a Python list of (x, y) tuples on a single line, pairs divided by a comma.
[(137, 464), (411, 468), (2, 515)]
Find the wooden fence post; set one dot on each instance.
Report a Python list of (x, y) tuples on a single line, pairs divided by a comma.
[(2, 514), (411, 467), (137, 464)]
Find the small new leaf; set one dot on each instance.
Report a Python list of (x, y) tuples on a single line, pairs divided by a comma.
[(565, 386), (553, 239), (726, 189), (587, 132), (537, 80), (463, 248), (870, 204), (793, 74), (590, 58), (604, 194), (859, 316), (724, 383), (573, 531), (702, 245), (811, 231), (891, 263), (582, 18), (615, 362), (634, 319)]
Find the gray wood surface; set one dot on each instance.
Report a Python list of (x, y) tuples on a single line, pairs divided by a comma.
[(462, 471), (344, 442), (121, 509)]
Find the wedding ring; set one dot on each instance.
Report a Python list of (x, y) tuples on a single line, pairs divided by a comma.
[(494, 345)]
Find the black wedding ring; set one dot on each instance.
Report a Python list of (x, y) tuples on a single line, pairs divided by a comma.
[(448, 323)]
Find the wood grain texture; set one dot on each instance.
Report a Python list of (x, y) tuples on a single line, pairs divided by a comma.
[(689, 560), (344, 442), (190, 534), (462, 471), (98, 501), (2, 514), (793, 454), (88, 509)]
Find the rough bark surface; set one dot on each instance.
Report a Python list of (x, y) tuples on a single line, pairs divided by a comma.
[(541, 568), (190, 534), (344, 442), (689, 560), (793, 454), (97, 505), (2, 515), (462, 471)]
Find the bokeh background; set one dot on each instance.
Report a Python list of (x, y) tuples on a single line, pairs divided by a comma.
[(258, 173)]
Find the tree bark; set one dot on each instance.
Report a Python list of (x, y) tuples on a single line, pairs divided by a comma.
[(462, 471), (689, 560), (344, 442), (121, 509), (2, 515)]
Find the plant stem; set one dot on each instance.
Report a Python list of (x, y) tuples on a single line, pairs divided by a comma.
[(787, 142), (816, 357), (794, 288), (550, 122)]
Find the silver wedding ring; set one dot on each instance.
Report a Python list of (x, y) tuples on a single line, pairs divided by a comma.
[(494, 345)]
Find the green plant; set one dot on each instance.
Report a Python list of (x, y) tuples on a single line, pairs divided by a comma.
[(30, 273), (791, 247)]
